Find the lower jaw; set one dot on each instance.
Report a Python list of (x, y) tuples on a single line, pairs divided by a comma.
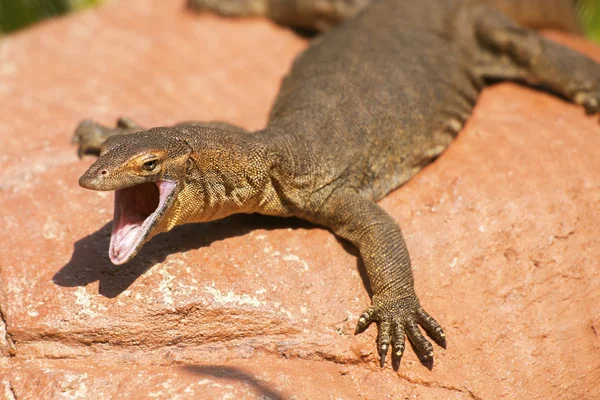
[(152, 223)]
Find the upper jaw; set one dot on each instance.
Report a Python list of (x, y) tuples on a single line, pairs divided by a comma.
[(138, 211)]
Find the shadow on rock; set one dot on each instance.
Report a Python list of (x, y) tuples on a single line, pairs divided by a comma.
[(227, 373), (90, 262)]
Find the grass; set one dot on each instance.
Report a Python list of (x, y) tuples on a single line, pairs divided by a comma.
[(591, 18), (16, 14)]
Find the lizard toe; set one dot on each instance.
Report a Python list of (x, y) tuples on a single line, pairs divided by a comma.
[(127, 123), (384, 339), (421, 346), (398, 338), (433, 329), (365, 320), (89, 135)]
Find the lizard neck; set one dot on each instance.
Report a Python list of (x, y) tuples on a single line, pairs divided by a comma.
[(227, 173)]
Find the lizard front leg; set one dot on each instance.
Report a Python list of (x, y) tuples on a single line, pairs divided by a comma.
[(518, 53), (89, 135), (395, 307)]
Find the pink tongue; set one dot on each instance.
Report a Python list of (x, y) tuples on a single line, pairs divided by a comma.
[(132, 207)]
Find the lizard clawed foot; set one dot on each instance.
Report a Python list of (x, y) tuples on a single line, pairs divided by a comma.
[(89, 135), (397, 318)]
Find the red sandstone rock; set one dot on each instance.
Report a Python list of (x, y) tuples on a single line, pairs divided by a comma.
[(503, 230)]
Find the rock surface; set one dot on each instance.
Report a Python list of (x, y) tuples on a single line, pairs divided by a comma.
[(503, 229)]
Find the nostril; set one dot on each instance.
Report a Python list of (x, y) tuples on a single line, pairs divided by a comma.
[(104, 172)]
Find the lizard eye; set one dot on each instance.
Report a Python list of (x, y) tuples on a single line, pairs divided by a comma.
[(149, 165)]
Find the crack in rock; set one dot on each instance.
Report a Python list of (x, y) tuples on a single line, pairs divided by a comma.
[(9, 391), (439, 385), (566, 235), (12, 351)]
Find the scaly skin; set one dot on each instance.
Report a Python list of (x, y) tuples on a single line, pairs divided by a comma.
[(363, 109)]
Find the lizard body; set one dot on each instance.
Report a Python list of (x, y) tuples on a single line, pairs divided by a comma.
[(363, 109), (321, 15)]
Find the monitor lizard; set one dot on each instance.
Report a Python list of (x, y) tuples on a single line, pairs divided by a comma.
[(365, 107)]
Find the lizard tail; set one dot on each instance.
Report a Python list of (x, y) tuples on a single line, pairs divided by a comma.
[(564, 15)]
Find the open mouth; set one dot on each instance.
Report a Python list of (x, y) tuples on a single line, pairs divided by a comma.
[(137, 210)]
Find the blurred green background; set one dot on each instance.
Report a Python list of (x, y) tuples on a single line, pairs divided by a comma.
[(16, 14), (590, 15)]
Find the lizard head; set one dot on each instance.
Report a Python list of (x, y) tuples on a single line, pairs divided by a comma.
[(147, 172)]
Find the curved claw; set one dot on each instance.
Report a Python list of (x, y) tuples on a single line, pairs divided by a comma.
[(427, 364)]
